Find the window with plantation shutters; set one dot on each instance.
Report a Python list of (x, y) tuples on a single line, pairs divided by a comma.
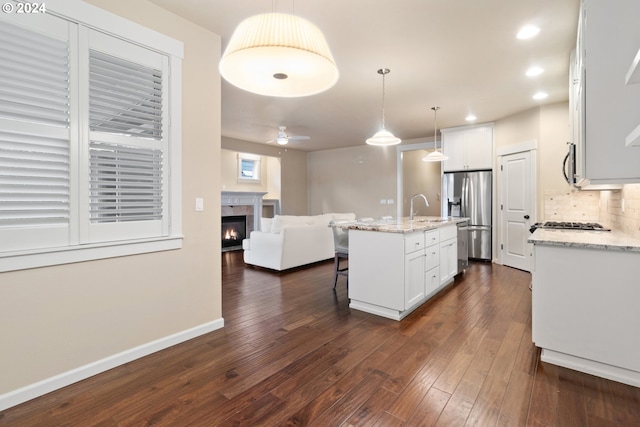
[(127, 148), (89, 166), (124, 99), (34, 136)]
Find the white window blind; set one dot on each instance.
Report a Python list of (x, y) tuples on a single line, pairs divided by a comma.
[(125, 97), (126, 183), (34, 77), (127, 140), (34, 138)]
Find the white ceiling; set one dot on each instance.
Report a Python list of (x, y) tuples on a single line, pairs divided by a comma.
[(460, 55)]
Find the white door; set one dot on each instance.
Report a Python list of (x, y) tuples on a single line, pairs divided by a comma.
[(517, 210)]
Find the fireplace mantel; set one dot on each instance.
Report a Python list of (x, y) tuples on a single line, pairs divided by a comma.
[(230, 198), (246, 198)]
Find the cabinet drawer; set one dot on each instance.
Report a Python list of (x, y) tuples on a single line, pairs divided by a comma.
[(432, 237), (413, 242), (448, 232), (431, 281), (432, 257)]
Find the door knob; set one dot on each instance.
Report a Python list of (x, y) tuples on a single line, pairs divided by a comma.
[(526, 217)]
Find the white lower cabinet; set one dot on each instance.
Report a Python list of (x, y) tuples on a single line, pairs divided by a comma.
[(390, 274), (432, 281), (585, 310), (432, 262), (448, 253), (413, 278)]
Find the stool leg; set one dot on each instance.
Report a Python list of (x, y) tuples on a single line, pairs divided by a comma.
[(336, 265)]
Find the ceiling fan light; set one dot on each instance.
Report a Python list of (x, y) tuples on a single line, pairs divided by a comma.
[(282, 140), (281, 55), (382, 138)]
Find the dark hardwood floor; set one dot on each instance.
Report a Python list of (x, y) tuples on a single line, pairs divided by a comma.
[(293, 353)]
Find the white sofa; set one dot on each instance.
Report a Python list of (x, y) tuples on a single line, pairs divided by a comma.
[(288, 241)]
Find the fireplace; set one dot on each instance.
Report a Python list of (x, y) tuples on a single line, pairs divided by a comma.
[(234, 230)]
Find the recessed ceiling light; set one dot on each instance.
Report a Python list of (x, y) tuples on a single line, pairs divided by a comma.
[(527, 32), (470, 118), (540, 95), (534, 71)]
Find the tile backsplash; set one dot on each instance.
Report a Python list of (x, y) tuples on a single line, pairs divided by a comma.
[(604, 207), (582, 206), (611, 209)]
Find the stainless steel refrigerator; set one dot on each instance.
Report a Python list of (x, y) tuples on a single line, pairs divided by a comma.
[(468, 194)]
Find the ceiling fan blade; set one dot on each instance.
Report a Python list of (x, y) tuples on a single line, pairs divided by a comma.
[(299, 137)]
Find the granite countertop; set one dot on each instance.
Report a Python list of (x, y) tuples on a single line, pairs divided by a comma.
[(401, 225), (608, 240)]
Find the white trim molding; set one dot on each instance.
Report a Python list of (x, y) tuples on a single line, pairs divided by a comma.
[(517, 148), (64, 379)]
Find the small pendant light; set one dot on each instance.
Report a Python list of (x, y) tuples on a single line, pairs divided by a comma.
[(435, 155), (383, 137)]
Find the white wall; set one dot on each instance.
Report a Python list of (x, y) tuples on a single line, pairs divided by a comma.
[(420, 177), (352, 179), (269, 175), (293, 172)]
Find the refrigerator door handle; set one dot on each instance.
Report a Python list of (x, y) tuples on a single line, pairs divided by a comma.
[(465, 197), (479, 227)]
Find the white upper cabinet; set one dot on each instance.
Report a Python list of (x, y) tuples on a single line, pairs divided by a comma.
[(468, 148), (611, 39)]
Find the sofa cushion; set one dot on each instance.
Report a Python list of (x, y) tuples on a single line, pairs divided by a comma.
[(280, 221), (266, 224)]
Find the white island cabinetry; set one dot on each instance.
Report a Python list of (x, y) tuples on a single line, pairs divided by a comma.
[(392, 273), (448, 253)]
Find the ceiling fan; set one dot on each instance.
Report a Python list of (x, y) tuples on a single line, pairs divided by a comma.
[(284, 139)]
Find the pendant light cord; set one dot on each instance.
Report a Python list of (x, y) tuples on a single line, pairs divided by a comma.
[(383, 71), (435, 129)]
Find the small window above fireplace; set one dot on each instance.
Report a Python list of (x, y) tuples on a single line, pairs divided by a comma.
[(248, 168)]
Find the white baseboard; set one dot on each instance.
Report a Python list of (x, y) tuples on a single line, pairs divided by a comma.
[(598, 369), (56, 382)]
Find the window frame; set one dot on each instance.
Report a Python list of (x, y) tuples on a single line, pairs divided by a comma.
[(94, 18), (256, 168)]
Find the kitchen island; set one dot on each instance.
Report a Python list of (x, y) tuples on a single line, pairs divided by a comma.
[(395, 266), (585, 302)]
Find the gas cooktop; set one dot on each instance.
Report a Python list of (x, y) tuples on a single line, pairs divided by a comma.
[(565, 225)]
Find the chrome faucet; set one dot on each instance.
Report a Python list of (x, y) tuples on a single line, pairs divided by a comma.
[(411, 204)]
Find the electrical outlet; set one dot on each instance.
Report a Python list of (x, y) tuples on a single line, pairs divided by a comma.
[(383, 201), (390, 201), (199, 204)]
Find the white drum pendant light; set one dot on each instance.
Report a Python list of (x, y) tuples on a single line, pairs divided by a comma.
[(383, 137), (281, 55), (435, 155)]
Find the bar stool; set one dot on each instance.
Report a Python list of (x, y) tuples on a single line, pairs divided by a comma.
[(341, 245)]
